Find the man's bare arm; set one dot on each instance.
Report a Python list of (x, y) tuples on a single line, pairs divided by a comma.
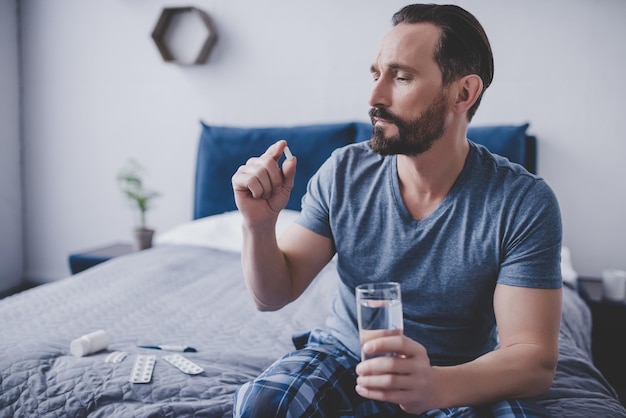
[(524, 365), (278, 271), (275, 274), (528, 323)]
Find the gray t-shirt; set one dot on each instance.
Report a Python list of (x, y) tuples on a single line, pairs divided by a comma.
[(498, 224)]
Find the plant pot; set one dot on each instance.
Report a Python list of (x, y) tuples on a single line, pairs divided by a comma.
[(142, 238)]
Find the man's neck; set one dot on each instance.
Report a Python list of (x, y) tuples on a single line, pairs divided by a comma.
[(426, 179)]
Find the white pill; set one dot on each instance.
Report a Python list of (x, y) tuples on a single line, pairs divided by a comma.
[(288, 154)]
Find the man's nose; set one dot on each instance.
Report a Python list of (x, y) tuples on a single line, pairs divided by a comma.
[(380, 97)]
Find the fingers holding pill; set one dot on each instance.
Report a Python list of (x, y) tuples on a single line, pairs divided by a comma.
[(289, 168), (278, 149), (262, 178), (288, 154)]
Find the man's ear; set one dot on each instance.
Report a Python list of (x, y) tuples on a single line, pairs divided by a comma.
[(468, 91)]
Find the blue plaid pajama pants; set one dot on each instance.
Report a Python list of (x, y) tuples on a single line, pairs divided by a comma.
[(318, 380)]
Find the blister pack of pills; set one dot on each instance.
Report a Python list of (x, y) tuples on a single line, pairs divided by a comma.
[(142, 369), (183, 364), (116, 357)]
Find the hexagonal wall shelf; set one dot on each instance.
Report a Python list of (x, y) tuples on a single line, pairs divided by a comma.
[(184, 35)]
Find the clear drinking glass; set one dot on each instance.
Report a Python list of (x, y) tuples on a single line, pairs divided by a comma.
[(379, 311)]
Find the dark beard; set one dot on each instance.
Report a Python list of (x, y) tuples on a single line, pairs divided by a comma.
[(414, 136)]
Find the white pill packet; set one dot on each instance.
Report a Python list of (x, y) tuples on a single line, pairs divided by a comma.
[(183, 364), (116, 357), (142, 369)]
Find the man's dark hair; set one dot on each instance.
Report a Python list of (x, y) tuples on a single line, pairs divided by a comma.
[(463, 46)]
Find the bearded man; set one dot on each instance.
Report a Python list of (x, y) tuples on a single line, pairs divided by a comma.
[(473, 240)]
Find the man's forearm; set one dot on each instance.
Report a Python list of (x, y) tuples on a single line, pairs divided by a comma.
[(265, 269), (519, 371)]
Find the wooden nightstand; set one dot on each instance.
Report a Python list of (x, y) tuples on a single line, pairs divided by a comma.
[(607, 335), (86, 259)]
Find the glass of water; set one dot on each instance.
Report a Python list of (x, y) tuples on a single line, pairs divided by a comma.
[(379, 311)]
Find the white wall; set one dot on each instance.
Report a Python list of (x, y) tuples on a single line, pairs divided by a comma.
[(97, 92), (11, 252)]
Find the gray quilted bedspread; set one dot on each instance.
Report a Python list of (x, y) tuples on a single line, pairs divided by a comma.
[(194, 296), (166, 295), (579, 389)]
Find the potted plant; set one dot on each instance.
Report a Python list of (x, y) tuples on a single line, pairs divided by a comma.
[(132, 186)]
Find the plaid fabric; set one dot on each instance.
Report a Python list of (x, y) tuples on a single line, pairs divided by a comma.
[(318, 381)]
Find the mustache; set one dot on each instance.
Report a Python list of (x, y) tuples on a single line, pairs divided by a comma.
[(381, 113)]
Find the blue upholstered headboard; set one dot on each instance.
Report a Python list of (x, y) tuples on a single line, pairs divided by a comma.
[(221, 150)]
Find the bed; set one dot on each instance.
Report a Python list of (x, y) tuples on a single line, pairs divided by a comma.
[(188, 289)]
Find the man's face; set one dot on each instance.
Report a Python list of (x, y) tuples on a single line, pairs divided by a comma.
[(409, 103), (414, 136)]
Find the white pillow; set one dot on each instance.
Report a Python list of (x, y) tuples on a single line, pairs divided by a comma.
[(221, 231), (567, 268)]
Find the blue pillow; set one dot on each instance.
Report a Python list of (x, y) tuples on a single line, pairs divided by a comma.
[(222, 150), (364, 131), (510, 141)]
